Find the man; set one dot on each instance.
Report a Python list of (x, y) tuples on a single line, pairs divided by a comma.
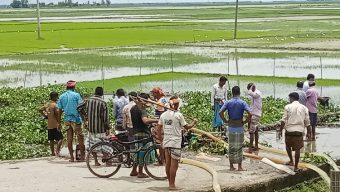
[(68, 104), (302, 94), (171, 122), (94, 110), (218, 96), (310, 77), (159, 95), (256, 113), (118, 104), (51, 112), (141, 130), (236, 108), (294, 121), (312, 105), (127, 122)]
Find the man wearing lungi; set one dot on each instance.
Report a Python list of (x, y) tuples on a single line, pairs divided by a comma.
[(236, 108), (218, 97), (294, 121), (94, 110), (141, 130)]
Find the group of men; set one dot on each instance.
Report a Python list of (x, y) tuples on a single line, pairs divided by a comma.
[(131, 123), (299, 115)]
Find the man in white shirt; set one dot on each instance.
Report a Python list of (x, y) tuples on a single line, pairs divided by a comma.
[(127, 122), (295, 119), (256, 113), (310, 78), (172, 123), (218, 96)]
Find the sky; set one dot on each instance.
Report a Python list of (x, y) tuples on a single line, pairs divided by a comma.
[(6, 2)]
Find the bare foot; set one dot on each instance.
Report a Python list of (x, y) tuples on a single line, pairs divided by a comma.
[(289, 163), (241, 169), (142, 175), (249, 151), (81, 160), (96, 164), (71, 160), (133, 174), (174, 188), (232, 169)]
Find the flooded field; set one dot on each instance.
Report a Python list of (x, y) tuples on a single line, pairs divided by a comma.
[(326, 142), (88, 65)]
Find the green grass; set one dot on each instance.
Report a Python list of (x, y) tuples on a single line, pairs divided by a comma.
[(284, 80), (132, 81), (107, 58), (308, 186), (28, 42)]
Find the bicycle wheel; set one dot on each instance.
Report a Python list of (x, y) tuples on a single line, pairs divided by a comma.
[(103, 160), (153, 165)]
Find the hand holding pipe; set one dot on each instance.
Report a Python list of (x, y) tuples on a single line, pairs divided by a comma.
[(155, 103)]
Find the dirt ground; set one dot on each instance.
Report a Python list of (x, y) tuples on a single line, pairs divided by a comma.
[(57, 174)]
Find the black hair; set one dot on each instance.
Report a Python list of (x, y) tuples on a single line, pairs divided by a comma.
[(133, 94), (249, 85), (299, 84), (310, 77), (236, 91), (70, 88), (120, 92), (144, 95), (311, 83), (53, 95), (294, 95), (99, 91), (223, 78)]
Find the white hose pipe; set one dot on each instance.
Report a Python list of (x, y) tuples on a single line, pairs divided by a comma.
[(216, 185)]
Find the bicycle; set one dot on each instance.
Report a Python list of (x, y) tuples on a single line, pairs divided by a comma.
[(105, 158)]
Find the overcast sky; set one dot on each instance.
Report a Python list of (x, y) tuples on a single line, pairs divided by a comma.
[(6, 2)]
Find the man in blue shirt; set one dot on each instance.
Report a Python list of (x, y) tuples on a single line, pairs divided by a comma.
[(236, 108), (68, 104)]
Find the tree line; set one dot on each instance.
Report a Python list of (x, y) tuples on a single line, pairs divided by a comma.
[(66, 3)]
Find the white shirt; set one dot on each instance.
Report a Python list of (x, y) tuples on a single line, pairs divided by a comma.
[(172, 123), (256, 102), (296, 117), (218, 93), (305, 86), (127, 122)]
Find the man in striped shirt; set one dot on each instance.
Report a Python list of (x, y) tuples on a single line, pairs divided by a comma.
[(94, 110)]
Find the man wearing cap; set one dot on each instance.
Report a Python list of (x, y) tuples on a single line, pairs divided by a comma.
[(172, 122), (68, 104)]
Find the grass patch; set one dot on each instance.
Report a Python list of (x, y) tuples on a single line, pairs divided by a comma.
[(132, 81)]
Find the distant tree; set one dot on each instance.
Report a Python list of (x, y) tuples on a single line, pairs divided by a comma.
[(16, 4), (103, 2), (108, 2), (24, 3)]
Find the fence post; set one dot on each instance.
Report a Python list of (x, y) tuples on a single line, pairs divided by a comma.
[(172, 73), (228, 64), (321, 67), (140, 71)]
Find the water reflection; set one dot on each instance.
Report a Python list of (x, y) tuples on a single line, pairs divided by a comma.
[(326, 142)]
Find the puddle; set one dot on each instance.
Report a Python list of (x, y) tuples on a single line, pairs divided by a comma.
[(327, 141)]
